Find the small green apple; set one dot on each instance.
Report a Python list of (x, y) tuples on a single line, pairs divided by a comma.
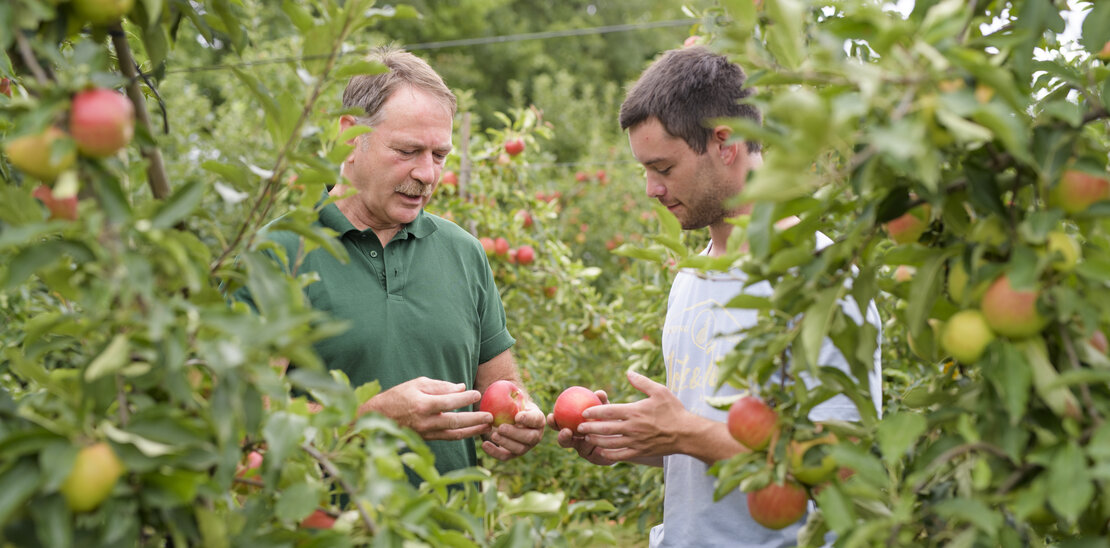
[(95, 472), (966, 336), (1064, 250)]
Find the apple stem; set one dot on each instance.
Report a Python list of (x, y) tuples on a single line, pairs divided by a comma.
[(334, 472), (121, 400), (156, 170), (248, 481)]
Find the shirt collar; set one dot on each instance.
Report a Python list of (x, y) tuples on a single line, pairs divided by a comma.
[(331, 217)]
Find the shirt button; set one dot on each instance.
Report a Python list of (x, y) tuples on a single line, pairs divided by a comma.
[(373, 253)]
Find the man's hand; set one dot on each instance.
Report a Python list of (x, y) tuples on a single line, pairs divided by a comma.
[(513, 440), (425, 405), (569, 439), (638, 431)]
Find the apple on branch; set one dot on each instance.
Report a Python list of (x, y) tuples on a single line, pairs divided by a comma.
[(95, 472), (1010, 312), (34, 154), (102, 122), (966, 336), (752, 422), (778, 505)]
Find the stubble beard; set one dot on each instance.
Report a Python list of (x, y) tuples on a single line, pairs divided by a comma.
[(708, 208)]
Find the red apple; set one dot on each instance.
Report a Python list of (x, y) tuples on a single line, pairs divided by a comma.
[(102, 12), (514, 146), (570, 405), (1077, 190), (501, 246), (318, 519), (910, 226), (6, 86), (525, 254), (450, 179), (581, 176), (32, 154), (503, 400), (778, 505), (60, 208), (488, 245), (1010, 312), (904, 273), (251, 467), (602, 177), (525, 218), (752, 422), (102, 121), (94, 475), (550, 291)]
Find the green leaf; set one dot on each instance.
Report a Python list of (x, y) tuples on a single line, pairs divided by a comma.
[(815, 323), (1096, 28), (36, 257), (531, 502), (972, 511), (17, 484), (283, 433), (785, 32), (360, 68), (925, 289), (300, 17), (110, 360), (669, 223), (1009, 373), (749, 302), (837, 508), (1070, 490), (296, 502), (178, 206), (898, 432)]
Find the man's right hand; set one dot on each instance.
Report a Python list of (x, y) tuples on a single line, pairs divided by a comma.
[(425, 405), (568, 438)]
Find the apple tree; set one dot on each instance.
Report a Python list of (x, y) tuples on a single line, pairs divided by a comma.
[(986, 122)]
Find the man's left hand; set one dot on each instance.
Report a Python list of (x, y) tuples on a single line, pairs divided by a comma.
[(513, 440)]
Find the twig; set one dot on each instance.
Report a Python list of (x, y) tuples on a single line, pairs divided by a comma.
[(957, 451), (29, 59), (1016, 478), (249, 481), (330, 468), (156, 170), (1084, 390), (121, 400)]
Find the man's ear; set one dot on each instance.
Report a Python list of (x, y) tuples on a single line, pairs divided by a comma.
[(346, 122), (729, 151)]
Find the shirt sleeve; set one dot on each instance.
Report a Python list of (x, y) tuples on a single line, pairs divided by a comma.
[(495, 332)]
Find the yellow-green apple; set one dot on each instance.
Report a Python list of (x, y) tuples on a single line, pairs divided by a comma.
[(1010, 312), (95, 472), (1064, 251), (1077, 190), (60, 208), (318, 519), (32, 154), (102, 12), (966, 336), (503, 400), (525, 254), (811, 461), (909, 227), (101, 121), (514, 146), (752, 422), (570, 404), (778, 505)]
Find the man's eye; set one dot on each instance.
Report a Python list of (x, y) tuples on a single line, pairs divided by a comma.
[(439, 156), (406, 152), (664, 171)]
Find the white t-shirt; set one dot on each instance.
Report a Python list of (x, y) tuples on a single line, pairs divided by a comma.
[(697, 333)]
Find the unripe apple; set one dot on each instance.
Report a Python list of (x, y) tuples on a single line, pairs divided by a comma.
[(1010, 312), (450, 179), (514, 146), (1077, 190), (60, 208), (95, 472), (778, 505), (31, 154), (1064, 250), (318, 519), (909, 227), (501, 246), (503, 400), (525, 254), (570, 404), (810, 461), (102, 121), (752, 422), (102, 12), (966, 336), (957, 280), (487, 245)]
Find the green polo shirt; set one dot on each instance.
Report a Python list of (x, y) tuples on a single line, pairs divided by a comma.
[(425, 305)]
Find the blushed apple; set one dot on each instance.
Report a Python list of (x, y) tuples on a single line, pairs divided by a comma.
[(752, 422), (570, 405), (503, 400), (778, 505)]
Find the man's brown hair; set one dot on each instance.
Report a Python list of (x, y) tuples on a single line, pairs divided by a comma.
[(370, 92)]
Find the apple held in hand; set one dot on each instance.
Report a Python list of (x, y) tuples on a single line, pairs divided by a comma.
[(752, 422), (92, 478), (102, 121), (778, 505), (570, 405), (503, 400)]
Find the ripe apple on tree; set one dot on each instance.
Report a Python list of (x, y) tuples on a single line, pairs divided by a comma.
[(1077, 190), (95, 472), (570, 405), (318, 519), (487, 245), (501, 246), (101, 121), (6, 86), (514, 146), (60, 208), (34, 154), (1010, 312), (525, 255), (450, 179), (778, 505), (752, 422), (503, 400), (909, 227)]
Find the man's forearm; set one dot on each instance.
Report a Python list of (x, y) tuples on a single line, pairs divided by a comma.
[(709, 441)]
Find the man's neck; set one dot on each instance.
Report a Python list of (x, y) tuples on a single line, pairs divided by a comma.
[(355, 212)]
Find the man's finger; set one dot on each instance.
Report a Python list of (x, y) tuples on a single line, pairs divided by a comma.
[(644, 384), (512, 446), (462, 419), (496, 452), (530, 418), (456, 433), (607, 442), (441, 403), (524, 436), (610, 412)]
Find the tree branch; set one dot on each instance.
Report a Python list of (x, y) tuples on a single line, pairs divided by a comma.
[(28, 56), (330, 468), (1084, 390), (156, 171)]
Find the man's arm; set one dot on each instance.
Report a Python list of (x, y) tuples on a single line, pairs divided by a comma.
[(510, 440)]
